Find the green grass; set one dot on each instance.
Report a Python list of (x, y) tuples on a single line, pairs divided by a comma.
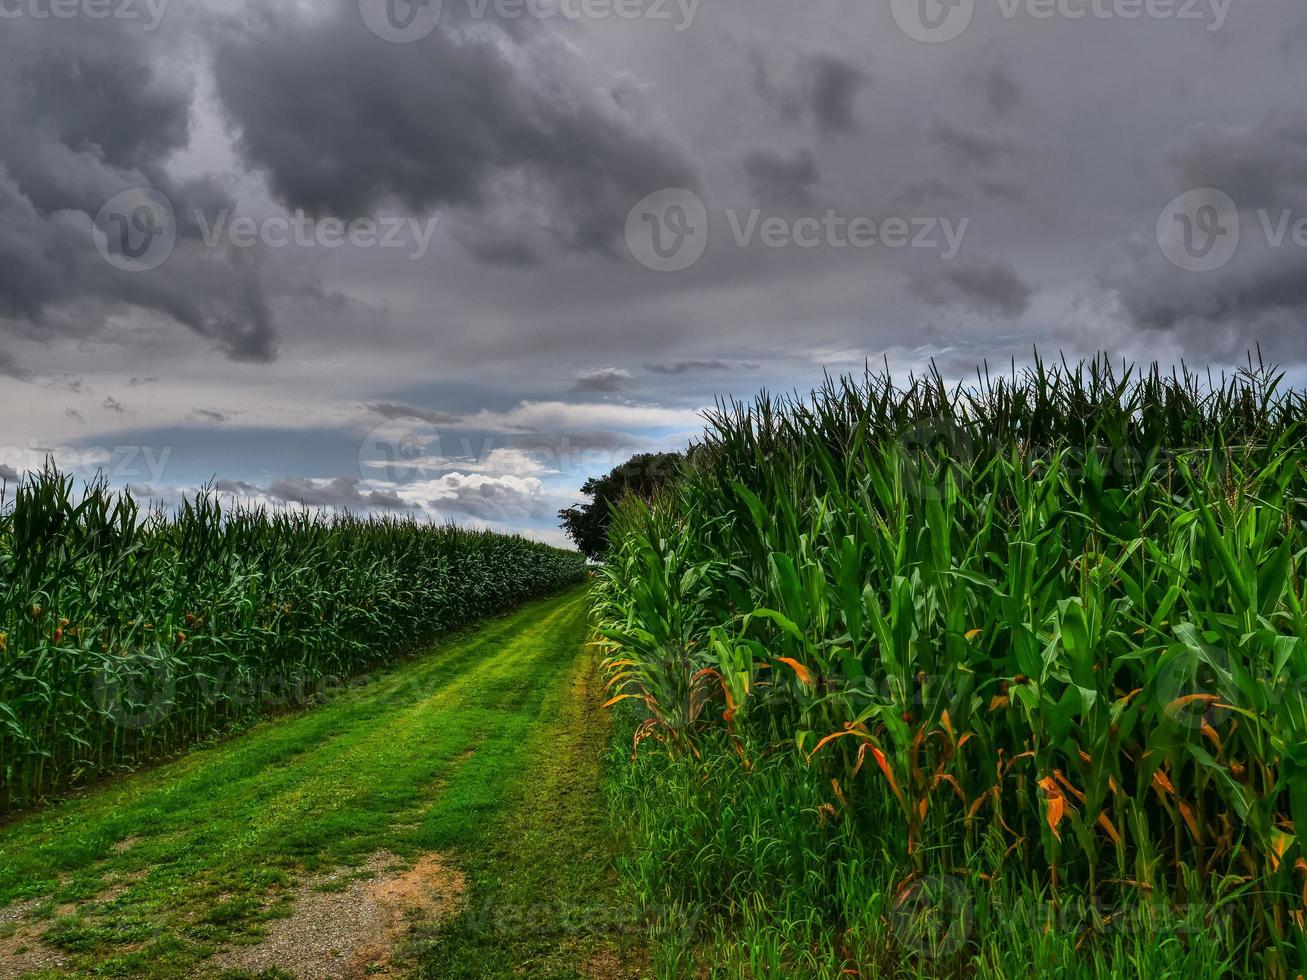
[(543, 899), (469, 750)]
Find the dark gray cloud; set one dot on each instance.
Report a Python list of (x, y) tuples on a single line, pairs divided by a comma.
[(238, 488), (342, 493), (496, 246), (464, 119), (603, 380), (990, 288), (784, 180), (10, 368), (388, 500), (833, 87), (89, 110), (1003, 190), (1261, 294), (114, 405), (1001, 92), (686, 367), (8, 474), (818, 90), (95, 112), (211, 415), (68, 382), (926, 191), (1262, 164), (1260, 297), (1242, 293), (967, 147)]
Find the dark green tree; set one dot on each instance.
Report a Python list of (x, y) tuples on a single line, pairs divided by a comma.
[(587, 524)]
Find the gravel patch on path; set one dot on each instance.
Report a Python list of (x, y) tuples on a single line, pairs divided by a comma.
[(21, 949), (350, 933)]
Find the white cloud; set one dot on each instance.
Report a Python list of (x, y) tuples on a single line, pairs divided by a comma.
[(536, 415), (506, 461)]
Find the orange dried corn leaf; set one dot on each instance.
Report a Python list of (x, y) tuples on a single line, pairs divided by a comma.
[(1105, 822), (1190, 820), (1056, 804), (621, 697), (800, 671), (881, 761), (1162, 782), (830, 738)]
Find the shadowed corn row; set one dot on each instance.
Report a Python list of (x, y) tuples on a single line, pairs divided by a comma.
[(1049, 627), (126, 634)]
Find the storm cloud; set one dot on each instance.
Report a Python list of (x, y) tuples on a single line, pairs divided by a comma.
[(604, 379), (341, 493), (986, 287), (1260, 295), (782, 179), (533, 340), (10, 368), (88, 110), (456, 120), (684, 367), (816, 89)]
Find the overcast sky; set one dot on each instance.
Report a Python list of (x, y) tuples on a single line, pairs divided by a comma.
[(449, 258)]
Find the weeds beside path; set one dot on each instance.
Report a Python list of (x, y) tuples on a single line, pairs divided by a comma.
[(476, 765)]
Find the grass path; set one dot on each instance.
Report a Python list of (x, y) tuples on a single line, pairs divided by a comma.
[(487, 750)]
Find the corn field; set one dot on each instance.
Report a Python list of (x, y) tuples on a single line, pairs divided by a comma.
[(127, 634), (1047, 626)]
